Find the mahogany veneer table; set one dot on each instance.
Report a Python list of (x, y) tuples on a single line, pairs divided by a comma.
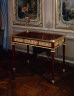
[(39, 39)]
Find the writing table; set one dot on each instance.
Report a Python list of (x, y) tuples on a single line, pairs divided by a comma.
[(39, 39)]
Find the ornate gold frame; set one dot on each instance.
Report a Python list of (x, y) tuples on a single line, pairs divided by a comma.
[(38, 21), (59, 17)]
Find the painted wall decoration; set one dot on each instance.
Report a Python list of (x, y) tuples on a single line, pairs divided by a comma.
[(64, 14), (27, 12)]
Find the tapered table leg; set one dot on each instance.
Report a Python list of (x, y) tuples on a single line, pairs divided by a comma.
[(13, 52), (52, 52), (28, 53), (64, 57)]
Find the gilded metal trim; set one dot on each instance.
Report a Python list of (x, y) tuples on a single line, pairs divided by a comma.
[(53, 50), (64, 43), (13, 43), (33, 42)]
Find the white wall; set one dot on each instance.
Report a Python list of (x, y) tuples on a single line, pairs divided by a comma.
[(48, 26)]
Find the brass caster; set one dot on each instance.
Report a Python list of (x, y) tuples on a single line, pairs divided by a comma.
[(53, 81), (63, 70), (28, 61), (13, 69)]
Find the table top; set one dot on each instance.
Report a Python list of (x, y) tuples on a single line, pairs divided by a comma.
[(39, 35)]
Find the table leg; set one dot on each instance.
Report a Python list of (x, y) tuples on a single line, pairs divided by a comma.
[(28, 53), (64, 57), (13, 52), (52, 52)]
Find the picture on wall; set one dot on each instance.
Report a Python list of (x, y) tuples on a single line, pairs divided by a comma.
[(64, 14), (27, 12)]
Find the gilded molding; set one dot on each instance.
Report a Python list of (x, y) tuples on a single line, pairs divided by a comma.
[(46, 44), (33, 42)]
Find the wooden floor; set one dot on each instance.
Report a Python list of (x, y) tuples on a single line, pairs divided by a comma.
[(33, 78)]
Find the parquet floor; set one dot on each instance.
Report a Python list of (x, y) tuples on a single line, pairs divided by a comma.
[(33, 78)]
